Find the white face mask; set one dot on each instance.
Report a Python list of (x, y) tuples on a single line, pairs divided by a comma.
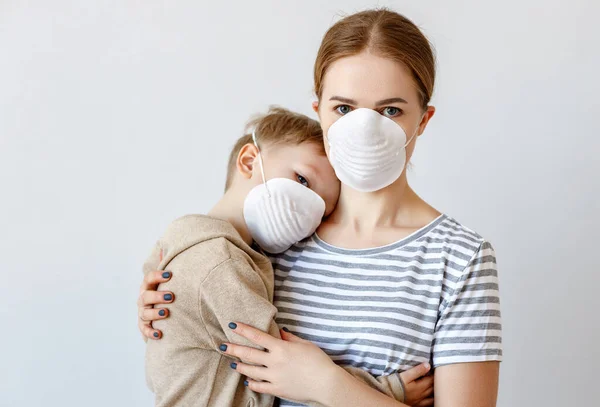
[(367, 150), (281, 212)]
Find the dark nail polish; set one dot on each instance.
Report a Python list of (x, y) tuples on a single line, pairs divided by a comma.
[(166, 274), (155, 334), (161, 312), (168, 297), (233, 365), (285, 329), (245, 382), (223, 348), (232, 325)]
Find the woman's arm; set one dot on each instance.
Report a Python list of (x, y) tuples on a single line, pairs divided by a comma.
[(467, 384), (417, 386), (413, 386), (468, 337), (345, 390), (295, 369)]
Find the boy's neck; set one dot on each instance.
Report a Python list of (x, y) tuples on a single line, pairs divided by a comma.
[(231, 209)]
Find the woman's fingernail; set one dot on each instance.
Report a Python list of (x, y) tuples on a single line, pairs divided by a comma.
[(245, 382), (285, 329), (168, 297), (155, 334), (233, 365), (223, 348), (232, 325), (161, 312), (427, 366), (166, 274)]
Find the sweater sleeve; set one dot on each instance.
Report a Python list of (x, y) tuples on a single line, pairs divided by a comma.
[(235, 292), (153, 260)]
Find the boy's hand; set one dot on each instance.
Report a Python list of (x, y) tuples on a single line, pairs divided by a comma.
[(418, 388)]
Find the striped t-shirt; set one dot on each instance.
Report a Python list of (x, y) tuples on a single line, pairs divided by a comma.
[(432, 296)]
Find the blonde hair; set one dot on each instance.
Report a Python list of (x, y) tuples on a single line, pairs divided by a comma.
[(277, 126), (384, 33)]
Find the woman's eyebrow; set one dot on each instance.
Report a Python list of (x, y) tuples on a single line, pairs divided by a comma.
[(379, 103), (389, 101), (344, 100)]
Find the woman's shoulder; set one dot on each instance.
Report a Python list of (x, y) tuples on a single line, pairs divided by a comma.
[(460, 244), (455, 232)]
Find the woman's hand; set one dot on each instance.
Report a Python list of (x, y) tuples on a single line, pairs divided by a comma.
[(149, 297), (418, 388), (292, 368)]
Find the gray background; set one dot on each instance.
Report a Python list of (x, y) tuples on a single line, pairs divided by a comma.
[(117, 116)]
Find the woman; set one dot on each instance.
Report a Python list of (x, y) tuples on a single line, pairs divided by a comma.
[(387, 282)]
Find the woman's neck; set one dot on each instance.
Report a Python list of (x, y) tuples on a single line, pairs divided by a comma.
[(392, 206)]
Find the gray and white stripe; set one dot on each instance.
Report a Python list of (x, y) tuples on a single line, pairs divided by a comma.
[(432, 296)]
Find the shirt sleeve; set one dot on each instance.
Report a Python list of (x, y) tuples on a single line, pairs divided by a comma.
[(469, 326)]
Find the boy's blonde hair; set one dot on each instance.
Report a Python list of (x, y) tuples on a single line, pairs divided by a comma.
[(277, 126)]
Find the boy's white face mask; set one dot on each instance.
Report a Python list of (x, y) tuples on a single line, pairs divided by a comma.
[(367, 150), (281, 212)]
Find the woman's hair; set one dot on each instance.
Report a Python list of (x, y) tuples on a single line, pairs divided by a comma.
[(384, 33), (277, 126)]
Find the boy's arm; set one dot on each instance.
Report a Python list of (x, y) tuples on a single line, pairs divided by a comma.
[(152, 263), (234, 291)]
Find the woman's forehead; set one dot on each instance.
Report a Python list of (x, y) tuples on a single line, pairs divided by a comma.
[(368, 78)]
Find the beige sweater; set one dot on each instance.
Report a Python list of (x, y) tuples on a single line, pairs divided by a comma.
[(217, 279)]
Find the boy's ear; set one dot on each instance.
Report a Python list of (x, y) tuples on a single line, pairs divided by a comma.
[(245, 160)]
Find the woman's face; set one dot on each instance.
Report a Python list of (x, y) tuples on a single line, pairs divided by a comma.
[(369, 81)]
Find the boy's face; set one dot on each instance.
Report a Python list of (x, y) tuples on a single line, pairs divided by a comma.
[(303, 163)]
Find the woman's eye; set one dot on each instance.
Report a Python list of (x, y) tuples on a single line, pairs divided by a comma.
[(302, 180), (391, 111), (343, 109)]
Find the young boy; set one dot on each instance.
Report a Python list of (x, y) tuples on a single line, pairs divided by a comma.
[(219, 276)]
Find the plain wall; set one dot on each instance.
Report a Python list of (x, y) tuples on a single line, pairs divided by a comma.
[(117, 117)]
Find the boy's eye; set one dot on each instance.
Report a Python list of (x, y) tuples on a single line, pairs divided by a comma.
[(343, 109), (302, 180), (391, 111)]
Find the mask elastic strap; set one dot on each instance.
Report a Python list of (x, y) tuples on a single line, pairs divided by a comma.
[(262, 167), (412, 138), (409, 140)]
